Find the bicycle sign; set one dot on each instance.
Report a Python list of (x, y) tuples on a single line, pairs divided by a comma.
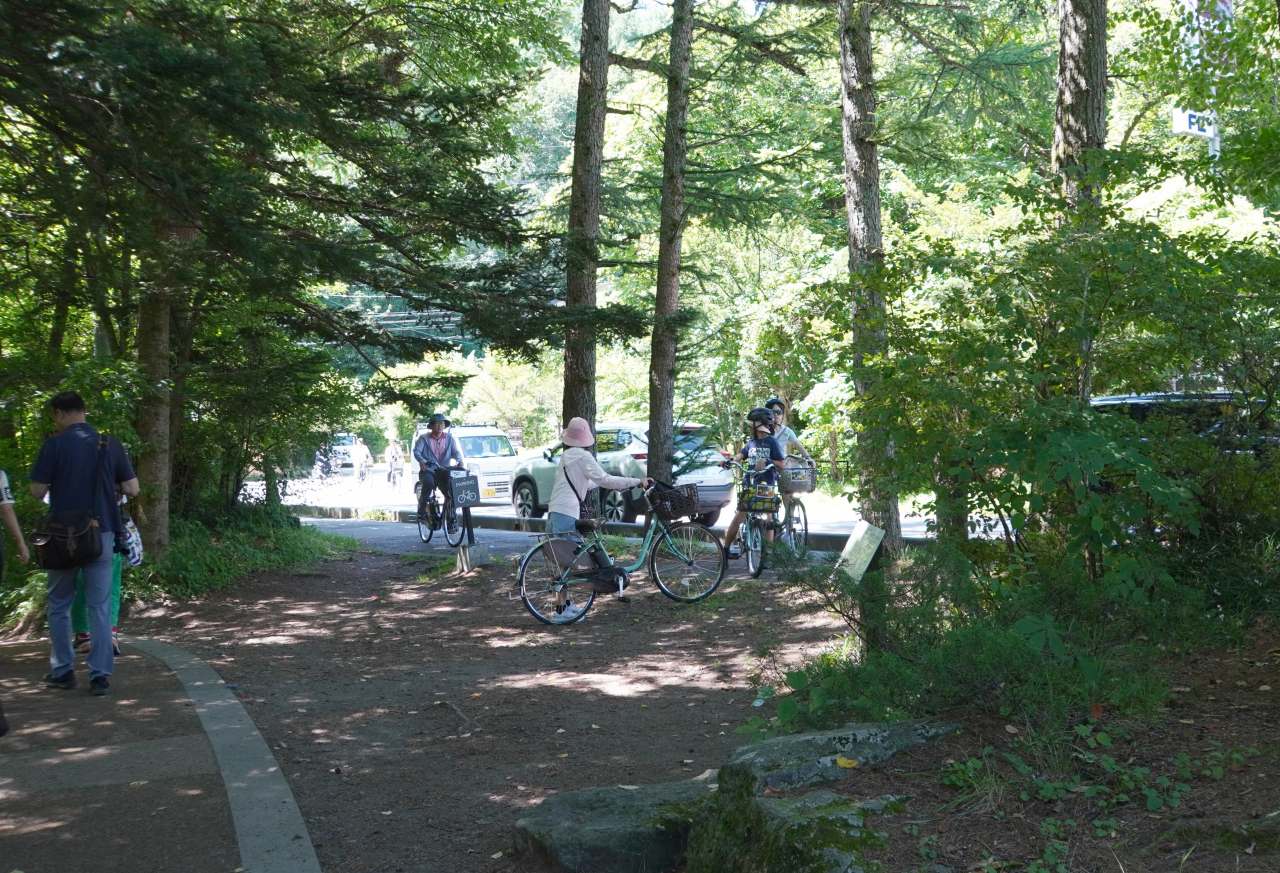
[(466, 491)]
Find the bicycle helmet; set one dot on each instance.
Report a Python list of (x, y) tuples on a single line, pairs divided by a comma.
[(775, 401), (760, 417)]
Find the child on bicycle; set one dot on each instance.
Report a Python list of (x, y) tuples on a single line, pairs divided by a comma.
[(763, 458), (785, 436)]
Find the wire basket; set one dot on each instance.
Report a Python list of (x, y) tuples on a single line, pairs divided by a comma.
[(759, 498), (797, 480), (673, 503)]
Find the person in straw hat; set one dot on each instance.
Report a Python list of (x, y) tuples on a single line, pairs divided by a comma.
[(578, 473)]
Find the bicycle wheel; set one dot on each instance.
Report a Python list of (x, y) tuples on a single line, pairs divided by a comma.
[(754, 546), (797, 525), (425, 525), (540, 580), (452, 524), (688, 562)]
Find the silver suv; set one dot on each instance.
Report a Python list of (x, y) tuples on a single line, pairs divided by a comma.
[(622, 449)]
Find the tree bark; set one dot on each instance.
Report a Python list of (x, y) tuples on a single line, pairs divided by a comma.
[(1080, 116), (675, 148), (878, 504), (155, 461), (583, 249)]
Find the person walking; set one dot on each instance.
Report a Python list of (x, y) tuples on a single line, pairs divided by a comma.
[(79, 469), (15, 530), (578, 473)]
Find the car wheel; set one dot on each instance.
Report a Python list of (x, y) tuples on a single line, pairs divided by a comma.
[(525, 501), (708, 518), (616, 507)]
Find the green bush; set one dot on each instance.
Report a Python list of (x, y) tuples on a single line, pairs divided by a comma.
[(212, 555)]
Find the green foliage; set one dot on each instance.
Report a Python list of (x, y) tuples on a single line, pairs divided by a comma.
[(213, 556)]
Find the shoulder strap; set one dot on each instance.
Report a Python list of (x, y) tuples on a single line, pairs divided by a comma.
[(103, 442), (565, 469)]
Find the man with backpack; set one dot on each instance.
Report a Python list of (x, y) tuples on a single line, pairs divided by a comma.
[(82, 471)]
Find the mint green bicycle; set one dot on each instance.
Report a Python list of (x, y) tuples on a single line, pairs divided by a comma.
[(559, 577)]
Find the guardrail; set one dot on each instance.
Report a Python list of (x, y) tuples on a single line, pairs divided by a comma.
[(818, 541)]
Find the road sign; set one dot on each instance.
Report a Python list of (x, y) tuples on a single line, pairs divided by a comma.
[(860, 549), (1194, 123), (466, 491)]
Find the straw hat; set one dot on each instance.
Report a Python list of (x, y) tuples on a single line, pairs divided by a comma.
[(578, 433)]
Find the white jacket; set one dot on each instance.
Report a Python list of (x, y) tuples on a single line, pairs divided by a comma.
[(586, 473)]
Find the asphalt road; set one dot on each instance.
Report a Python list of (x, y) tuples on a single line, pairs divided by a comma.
[(826, 514)]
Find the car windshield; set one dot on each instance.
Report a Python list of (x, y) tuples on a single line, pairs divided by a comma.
[(692, 443), (344, 439), (486, 447)]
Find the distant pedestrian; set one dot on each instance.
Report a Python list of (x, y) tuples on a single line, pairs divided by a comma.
[(64, 470)]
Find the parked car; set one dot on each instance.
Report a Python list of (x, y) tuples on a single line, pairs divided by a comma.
[(350, 455), (1234, 424), (487, 453), (622, 449)]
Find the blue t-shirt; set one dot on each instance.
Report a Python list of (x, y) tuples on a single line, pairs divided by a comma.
[(66, 463), (760, 455)]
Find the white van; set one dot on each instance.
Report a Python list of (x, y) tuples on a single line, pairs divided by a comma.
[(486, 452)]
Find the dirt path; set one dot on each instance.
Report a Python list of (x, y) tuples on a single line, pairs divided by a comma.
[(417, 715)]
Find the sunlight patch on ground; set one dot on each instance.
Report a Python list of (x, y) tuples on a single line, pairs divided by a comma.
[(27, 825)]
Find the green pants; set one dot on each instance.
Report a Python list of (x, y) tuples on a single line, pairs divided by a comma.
[(80, 611)]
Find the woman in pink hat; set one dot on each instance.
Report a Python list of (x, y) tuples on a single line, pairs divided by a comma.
[(578, 473)]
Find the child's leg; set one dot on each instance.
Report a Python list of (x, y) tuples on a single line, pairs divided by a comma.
[(79, 608)]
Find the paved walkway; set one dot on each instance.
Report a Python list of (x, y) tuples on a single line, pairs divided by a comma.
[(166, 773)]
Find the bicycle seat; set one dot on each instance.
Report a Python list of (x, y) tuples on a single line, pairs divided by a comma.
[(589, 525)]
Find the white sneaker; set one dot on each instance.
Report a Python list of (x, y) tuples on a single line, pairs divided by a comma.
[(569, 614)]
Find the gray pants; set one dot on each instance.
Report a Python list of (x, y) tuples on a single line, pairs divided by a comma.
[(97, 596)]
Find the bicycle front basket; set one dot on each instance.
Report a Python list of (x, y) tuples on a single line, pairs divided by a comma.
[(759, 498), (674, 503), (797, 480)]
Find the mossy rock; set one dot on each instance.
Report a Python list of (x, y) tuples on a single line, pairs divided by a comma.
[(802, 760), (817, 832), (614, 830)]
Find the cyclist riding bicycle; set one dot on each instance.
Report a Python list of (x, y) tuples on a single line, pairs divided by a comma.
[(763, 457), (435, 451), (785, 436), (578, 473), (395, 462)]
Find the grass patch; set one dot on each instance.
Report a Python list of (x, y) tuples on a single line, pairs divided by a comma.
[(213, 555)]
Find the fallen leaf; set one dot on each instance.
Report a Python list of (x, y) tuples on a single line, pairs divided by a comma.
[(1264, 687), (1212, 727), (629, 787), (386, 812), (463, 736), (563, 755), (302, 710), (559, 730), (496, 855), (846, 763), (596, 726), (1095, 710), (413, 712), (687, 761), (1187, 720), (1252, 846), (1180, 689), (943, 827), (140, 782), (1018, 815), (477, 694), (1010, 729)]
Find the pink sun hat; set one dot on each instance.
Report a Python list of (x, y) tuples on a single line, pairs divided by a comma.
[(578, 433)]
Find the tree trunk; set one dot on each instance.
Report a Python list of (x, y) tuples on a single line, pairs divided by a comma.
[(155, 461), (584, 211), (878, 504), (675, 147), (952, 505), (1080, 117)]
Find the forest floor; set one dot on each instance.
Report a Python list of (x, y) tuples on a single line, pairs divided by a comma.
[(418, 713)]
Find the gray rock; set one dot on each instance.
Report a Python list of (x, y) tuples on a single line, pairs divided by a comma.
[(817, 832), (615, 830), (786, 763)]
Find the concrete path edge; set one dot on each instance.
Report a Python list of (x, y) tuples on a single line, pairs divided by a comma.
[(272, 836)]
